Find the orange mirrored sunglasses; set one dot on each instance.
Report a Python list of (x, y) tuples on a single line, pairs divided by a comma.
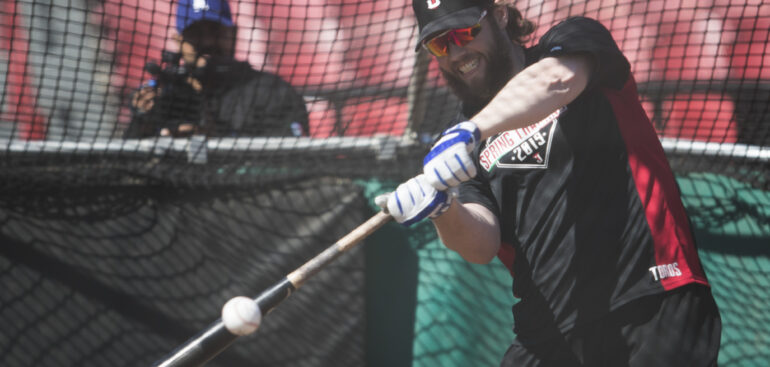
[(439, 45)]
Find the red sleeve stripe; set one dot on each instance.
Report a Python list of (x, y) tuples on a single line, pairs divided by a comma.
[(675, 253), (507, 254)]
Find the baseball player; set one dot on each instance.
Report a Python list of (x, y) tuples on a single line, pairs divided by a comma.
[(562, 177)]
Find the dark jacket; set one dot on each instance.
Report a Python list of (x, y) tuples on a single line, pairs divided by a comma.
[(236, 100)]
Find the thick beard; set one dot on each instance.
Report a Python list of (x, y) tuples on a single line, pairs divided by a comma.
[(499, 71)]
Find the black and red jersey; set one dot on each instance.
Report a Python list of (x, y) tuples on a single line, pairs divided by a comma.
[(589, 209)]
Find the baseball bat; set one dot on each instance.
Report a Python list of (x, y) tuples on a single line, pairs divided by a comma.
[(216, 337)]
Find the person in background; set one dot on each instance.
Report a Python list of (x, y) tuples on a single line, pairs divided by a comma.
[(211, 93), (562, 177)]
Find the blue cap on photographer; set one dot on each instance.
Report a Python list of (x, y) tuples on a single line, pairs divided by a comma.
[(191, 11)]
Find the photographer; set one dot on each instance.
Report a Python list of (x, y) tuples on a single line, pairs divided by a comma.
[(211, 93)]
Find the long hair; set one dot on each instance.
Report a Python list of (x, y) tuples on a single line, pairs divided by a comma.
[(519, 29)]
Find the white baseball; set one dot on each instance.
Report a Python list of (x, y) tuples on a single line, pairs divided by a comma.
[(241, 315)]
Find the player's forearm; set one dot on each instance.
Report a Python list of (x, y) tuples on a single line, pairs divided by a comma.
[(534, 93), (470, 230)]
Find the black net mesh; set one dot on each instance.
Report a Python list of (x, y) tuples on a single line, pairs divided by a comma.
[(127, 221), (117, 276)]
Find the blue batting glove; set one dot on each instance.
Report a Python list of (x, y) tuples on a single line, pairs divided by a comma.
[(449, 162), (414, 200)]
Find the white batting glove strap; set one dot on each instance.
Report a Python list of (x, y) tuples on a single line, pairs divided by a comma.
[(449, 162), (414, 200)]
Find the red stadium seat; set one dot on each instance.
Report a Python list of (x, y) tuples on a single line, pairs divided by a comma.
[(382, 40), (322, 117), (136, 32), (305, 44), (749, 52), (690, 44), (330, 45), (19, 98), (359, 117), (366, 117), (649, 108), (542, 13), (700, 117), (635, 29)]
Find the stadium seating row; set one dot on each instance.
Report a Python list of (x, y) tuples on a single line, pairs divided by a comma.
[(341, 45)]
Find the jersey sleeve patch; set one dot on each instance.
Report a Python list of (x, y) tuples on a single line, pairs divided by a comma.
[(528, 147)]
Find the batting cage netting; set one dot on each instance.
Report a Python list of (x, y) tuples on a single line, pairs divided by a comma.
[(139, 194)]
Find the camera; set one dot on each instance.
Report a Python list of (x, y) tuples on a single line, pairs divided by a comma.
[(177, 101), (169, 72)]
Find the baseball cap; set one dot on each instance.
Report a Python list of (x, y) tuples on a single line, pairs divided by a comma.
[(438, 15), (191, 11)]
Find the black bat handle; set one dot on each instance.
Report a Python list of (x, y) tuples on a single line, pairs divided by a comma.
[(200, 348)]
